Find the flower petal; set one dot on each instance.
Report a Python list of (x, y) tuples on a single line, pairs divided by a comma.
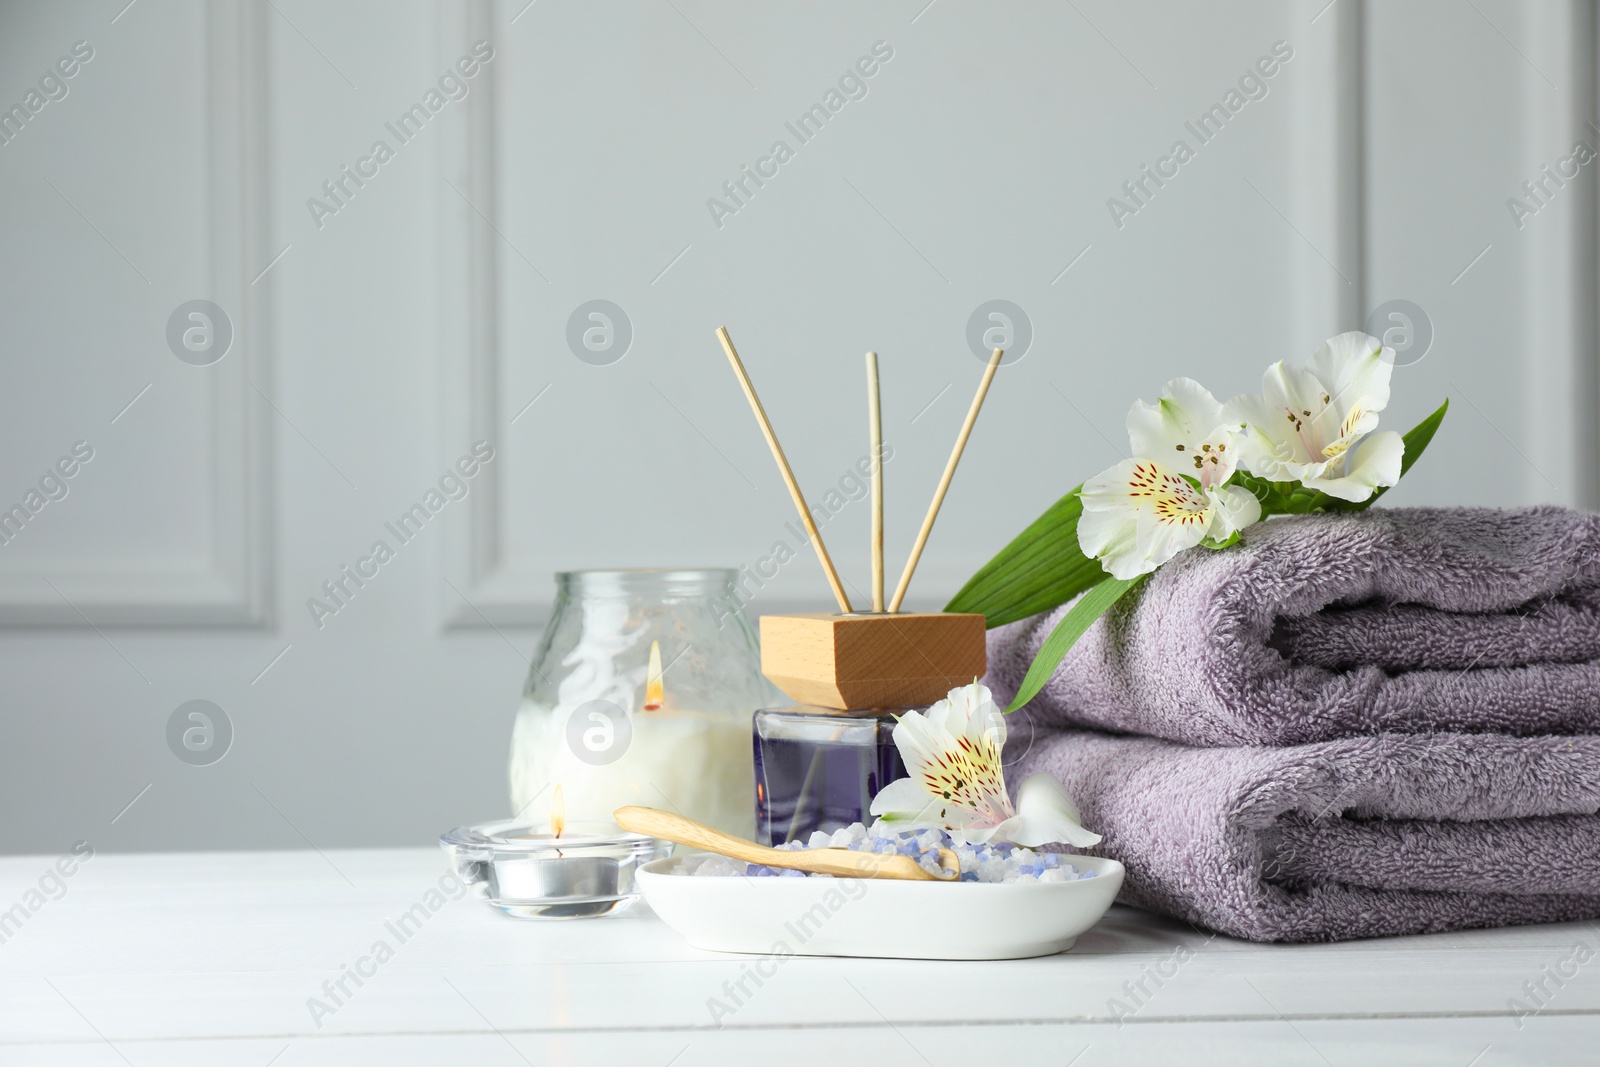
[(1045, 815), (1112, 538), (1355, 368), (1166, 532), (969, 711), (1108, 490), (904, 800), (1186, 414), (919, 740), (1234, 508), (1302, 412), (1373, 462)]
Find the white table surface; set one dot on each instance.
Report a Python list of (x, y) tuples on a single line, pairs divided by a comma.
[(210, 958)]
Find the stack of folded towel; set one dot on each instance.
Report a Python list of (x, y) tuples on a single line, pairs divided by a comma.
[(1346, 726)]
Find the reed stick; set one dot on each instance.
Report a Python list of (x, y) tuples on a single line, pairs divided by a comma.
[(784, 469), (875, 432), (944, 482)]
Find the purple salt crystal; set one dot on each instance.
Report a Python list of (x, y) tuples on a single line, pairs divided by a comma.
[(989, 862)]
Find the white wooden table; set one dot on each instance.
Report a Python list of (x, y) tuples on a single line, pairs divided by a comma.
[(212, 958)]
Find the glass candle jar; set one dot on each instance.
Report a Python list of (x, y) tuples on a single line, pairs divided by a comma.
[(640, 693)]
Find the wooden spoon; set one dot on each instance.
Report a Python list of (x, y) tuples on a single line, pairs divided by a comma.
[(841, 862)]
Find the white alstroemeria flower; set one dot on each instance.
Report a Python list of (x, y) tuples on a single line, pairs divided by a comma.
[(952, 752), (1142, 512), (1139, 514), (1187, 430), (1314, 424)]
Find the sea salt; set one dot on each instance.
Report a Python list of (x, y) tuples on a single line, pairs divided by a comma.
[(995, 862)]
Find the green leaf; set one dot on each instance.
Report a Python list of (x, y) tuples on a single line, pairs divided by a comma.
[(1213, 544), (1260, 488), (1094, 604), (1416, 439), (1042, 568)]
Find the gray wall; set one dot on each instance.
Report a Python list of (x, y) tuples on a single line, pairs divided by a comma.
[(374, 344)]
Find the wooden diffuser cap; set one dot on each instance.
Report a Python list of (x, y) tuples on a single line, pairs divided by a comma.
[(857, 662)]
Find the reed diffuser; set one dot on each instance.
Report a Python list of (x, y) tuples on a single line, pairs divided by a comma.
[(819, 763)]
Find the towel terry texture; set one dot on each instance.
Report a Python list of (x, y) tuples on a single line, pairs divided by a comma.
[(1347, 726), (1361, 837), (1317, 627)]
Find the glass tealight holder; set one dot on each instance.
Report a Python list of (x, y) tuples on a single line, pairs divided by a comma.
[(526, 871), (818, 769)]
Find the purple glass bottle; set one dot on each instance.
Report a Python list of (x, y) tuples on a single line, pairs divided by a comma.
[(818, 769)]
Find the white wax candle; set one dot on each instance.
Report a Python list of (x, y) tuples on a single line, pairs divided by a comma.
[(696, 763)]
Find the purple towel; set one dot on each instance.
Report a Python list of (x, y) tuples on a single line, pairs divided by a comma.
[(1326, 626), (1363, 837)]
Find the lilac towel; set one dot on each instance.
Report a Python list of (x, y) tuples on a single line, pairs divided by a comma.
[(1363, 837), (1325, 626)]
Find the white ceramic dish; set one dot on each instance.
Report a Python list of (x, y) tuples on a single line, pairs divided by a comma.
[(880, 917)]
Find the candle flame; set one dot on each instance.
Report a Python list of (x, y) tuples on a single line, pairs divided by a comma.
[(654, 691), (558, 813)]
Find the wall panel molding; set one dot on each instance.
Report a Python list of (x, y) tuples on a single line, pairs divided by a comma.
[(482, 587), (230, 584), (1559, 278), (1328, 170)]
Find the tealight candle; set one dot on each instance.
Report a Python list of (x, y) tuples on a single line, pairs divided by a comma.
[(568, 871), (558, 872)]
